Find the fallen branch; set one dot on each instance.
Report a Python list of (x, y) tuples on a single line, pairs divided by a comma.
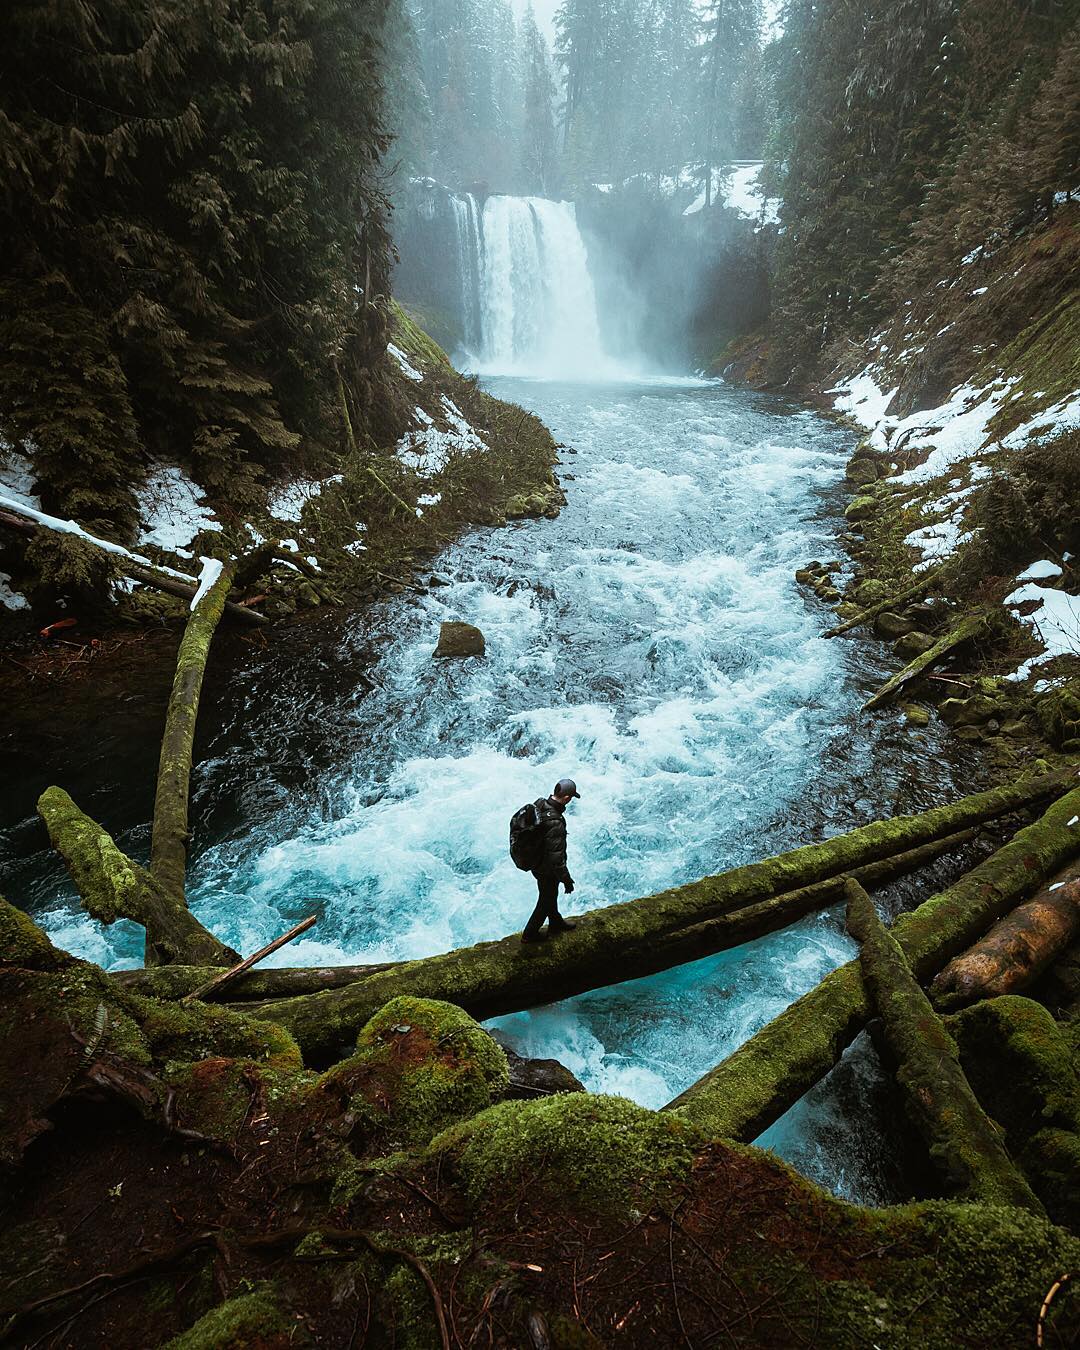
[(172, 584), (868, 615), (218, 982), (750, 1089), (1016, 950), (964, 1145), (964, 631)]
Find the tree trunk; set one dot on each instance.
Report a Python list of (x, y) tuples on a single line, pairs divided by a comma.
[(964, 1145), (168, 848), (607, 947), (113, 887), (1016, 950), (659, 950), (964, 631), (869, 615), (750, 1089)]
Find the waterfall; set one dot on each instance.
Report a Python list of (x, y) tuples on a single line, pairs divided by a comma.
[(528, 302)]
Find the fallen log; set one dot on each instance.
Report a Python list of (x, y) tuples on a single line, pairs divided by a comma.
[(181, 587), (753, 1087), (869, 615), (607, 947), (964, 1146), (964, 631), (679, 946), (111, 885), (1017, 949)]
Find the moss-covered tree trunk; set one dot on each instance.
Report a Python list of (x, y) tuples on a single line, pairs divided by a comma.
[(168, 848), (1016, 950), (769, 1073), (111, 885), (968, 628), (964, 1146)]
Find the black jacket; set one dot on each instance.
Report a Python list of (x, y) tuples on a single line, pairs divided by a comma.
[(553, 840)]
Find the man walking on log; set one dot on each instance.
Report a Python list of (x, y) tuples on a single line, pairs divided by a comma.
[(546, 842)]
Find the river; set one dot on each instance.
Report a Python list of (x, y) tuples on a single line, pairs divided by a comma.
[(652, 643)]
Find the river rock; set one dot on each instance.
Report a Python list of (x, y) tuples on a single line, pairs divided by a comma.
[(459, 639), (890, 626), (538, 1077), (969, 712), (860, 508), (869, 592), (1016, 728), (913, 644), (914, 715)]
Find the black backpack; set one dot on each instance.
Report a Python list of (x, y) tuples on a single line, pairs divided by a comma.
[(526, 838)]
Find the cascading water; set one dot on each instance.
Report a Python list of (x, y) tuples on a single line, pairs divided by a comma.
[(528, 304)]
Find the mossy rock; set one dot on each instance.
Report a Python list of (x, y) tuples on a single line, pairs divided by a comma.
[(1056, 711), (22, 942), (202, 1030), (459, 639), (891, 626), (251, 1322), (969, 712), (912, 644), (914, 715), (861, 508), (607, 1152), (420, 1066), (869, 592)]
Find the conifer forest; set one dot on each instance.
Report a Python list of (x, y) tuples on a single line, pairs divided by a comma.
[(539, 674)]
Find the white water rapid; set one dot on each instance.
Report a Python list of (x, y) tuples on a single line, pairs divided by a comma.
[(528, 303), (652, 643)]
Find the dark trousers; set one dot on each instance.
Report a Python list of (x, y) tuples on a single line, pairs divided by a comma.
[(547, 904)]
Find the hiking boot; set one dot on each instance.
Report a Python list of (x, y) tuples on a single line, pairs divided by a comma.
[(561, 926), (534, 937)]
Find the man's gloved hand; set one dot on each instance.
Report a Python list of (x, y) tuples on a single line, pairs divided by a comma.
[(568, 883)]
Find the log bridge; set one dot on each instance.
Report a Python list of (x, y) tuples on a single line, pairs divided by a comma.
[(325, 1008)]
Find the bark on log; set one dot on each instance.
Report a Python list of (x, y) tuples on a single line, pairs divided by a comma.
[(148, 576), (964, 1146), (1016, 950), (964, 631), (680, 946), (753, 1087), (113, 887), (868, 615), (168, 847), (608, 946)]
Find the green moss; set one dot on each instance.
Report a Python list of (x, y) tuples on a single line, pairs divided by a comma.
[(415, 1327), (22, 943), (108, 882), (605, 1151), (420, 1065), (251, 1322), (196, 1031)]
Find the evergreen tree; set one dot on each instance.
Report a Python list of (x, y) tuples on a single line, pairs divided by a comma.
[(539, 169), (195, 235)]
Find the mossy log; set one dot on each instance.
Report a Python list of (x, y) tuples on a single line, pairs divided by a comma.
[(1017, 949), (753, 1087), (168, 846), (608, 946), (920, 588), (144, 573), (675, 948), (113, 887), (964, 1146), (964, 631)]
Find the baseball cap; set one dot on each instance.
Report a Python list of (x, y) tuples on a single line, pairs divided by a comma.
[(566, 787)]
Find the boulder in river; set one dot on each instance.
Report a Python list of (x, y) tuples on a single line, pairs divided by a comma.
[(538, 1077), (459, 639)]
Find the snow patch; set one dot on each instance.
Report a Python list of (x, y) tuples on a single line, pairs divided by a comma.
[(407, 368), (170, 507), (8, 598), (288, 502), (1056, 624), (1040, 571), (17, 478), (428, 450), (211, 570), (738, 189)]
